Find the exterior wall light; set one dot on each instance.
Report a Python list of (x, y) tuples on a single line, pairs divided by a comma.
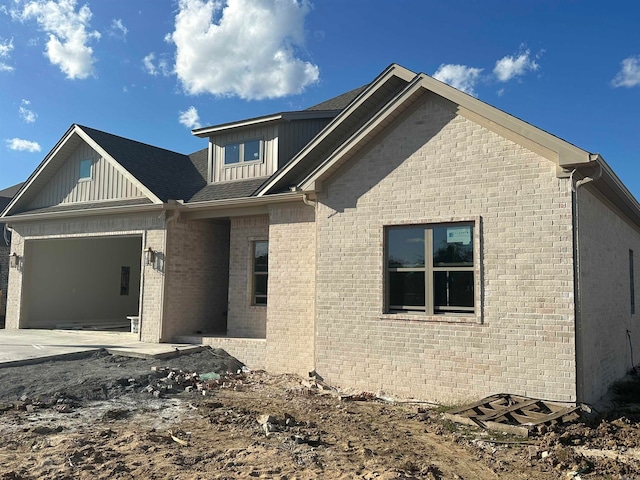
[(149, 256), (14, 260)]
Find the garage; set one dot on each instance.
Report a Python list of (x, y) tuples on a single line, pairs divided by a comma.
[(88, 283)]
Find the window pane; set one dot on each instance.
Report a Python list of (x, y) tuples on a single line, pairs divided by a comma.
[(252, 151), (452, 289), (406, 247), (406, 289), (232, 153), (453, 245), (261, 256), (260, 285), (85, 168), (440, 289)]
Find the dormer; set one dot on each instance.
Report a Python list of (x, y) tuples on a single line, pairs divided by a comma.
[(257, 147)]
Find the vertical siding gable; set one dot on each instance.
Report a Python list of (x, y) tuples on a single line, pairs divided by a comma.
[(106, 182), (294, 135)]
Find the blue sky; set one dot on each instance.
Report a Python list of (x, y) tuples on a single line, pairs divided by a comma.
[(152, 70)]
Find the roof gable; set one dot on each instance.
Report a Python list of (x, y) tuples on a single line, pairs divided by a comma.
[(365, 102), (75, 137), (155, 174)]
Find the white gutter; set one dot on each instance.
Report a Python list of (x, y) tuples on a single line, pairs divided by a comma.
[(26, 217)]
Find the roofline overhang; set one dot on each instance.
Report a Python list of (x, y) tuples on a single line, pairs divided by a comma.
[(283, 116), (605, 180), (392, 70), (207, 209), (237, 206), (88, 212)]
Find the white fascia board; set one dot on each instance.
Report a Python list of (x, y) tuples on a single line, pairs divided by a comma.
[(392, 70), (309, 182), (123, 171), (43, 165), (567, 153), (122, 209), (208, 131), (250, 122)]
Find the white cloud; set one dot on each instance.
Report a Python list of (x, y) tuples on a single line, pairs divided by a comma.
[(190, 118), (462, 77), (512, 66), (151, 68), (244, 48), (6, 47), (67, 46), (118, 29), (629, 74), (19, 144), (27, 115), (148, 64)]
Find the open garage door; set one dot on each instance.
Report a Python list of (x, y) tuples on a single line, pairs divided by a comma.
[(91, 283)]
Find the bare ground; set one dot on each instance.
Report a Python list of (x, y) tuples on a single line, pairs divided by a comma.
[(98, 418)]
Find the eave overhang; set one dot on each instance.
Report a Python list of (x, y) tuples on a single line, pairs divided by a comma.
[(257, 121)]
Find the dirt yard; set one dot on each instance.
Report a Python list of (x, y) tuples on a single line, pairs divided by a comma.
[(106, 417)]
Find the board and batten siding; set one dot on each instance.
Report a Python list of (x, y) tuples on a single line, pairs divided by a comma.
[(296, 134), (106, 182), (241, 171)]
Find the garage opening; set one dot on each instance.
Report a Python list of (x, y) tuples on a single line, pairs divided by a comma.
[(87, 283)]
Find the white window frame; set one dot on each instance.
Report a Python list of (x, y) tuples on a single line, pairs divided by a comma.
[(241, 147), (83, 162), (428, 269)]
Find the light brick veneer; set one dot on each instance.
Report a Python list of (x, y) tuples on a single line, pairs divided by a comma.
[(244, 319), (435, 166), (149, 227), (290, 317), (604, 241), (197, 273)]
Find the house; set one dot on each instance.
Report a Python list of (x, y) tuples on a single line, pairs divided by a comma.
[(403, 237), (5, 243)]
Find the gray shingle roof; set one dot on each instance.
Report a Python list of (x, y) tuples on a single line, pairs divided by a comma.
[(169, 175), (339, 102), (227, 190)]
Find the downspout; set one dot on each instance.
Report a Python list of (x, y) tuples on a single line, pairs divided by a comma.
[(306, 200), (576, 280), (311, 203)]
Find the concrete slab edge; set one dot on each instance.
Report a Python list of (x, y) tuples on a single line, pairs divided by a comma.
[(182, 350), (49, 358)]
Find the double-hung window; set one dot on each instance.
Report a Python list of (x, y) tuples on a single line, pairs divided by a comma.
[(430, 268), (260, 272), (248, 151)]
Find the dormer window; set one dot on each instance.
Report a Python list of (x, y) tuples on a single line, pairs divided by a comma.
[(248, 151), (85, 169)]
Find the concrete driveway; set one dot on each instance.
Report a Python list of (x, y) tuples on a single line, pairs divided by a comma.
[(19, 347)]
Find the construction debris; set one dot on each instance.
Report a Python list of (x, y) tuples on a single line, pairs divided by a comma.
[(513, 414)]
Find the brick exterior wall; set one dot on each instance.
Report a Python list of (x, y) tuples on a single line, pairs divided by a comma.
[(250, 351), (291, 299), (604, 241), (244, 319), (4, 278), (197, 274), (150, 227), (432, 166)]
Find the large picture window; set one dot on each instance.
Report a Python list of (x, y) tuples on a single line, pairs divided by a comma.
[(430, 268), (260, 272), (249, 151)]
